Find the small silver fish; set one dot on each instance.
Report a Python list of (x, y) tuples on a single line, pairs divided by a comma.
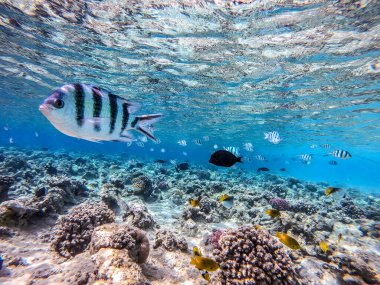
[(182, 142), (90, 113), (273, 137), (248, 147), (197, 142), (260, 157)]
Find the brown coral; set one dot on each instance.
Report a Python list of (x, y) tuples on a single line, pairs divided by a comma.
[(252, 256), (72, 232)]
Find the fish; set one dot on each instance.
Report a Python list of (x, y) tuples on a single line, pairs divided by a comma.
[(343, 154), (305, 157), (324, 246), (184, 153), (313, 146), (205, 275), (206, 138), (325, 146), (160, 161), (262, 169), (91, 113), (11, 140), (282, 169), (196, 251), (333, 162), (331, 190), (288, 241), (157, 141), (197, 142), (162, 150), (340, 237), (182, 143), (273, 213), (6, 128), (194, 202), (173, 161), (248, 147), (140, 144), (204, 263), (151, 149), (36, 134), (224, 158), (260, 157), (227, 201), (182, 166), (1, 262), (233, 149), (273, 137), (215, 146)]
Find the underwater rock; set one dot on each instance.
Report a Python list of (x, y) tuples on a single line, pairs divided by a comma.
[(279, 204), (277, 190), (16, 213), (143, 186), (72, 187), (72, 232), (108, 195), (162, 185), (121, 237), (169, 241), (15, 163), (6, 232), (252, 256), (50, 169), (5, 183), (138, 215)]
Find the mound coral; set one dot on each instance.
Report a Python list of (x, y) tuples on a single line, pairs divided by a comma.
[(252, 256), (121, 237), (351, 210), (279, 204), (169, 241), (72, 233), (143, 186), (138, 215)]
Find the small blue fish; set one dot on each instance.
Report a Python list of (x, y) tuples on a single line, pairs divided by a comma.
[(1, 262)]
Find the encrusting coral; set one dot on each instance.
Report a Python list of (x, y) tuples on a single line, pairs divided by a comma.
[(169, 241), (252, 256), (72, 233)]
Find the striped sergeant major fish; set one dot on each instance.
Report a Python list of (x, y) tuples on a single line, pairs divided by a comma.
[(273, 137), (341, 154), (233, 149), (90, 113), (325, 145), (305, 157), (260, 157), (197, 141)]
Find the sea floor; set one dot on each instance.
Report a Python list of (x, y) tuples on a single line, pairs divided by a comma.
[(74, 218)]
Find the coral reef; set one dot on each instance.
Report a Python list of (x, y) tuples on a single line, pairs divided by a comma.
[(303, 207), (169, 241), (351, 210), (252, 256), (121, 237), (143, 186), (72, 232), (5, 183), (279, 204), (137, 215)]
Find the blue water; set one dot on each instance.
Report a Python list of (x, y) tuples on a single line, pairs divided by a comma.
[(309, 71)]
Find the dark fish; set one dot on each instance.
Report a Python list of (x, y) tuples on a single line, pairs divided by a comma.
[(262, 169), (224, 158), (333, 162), (160, 161), (282, 169), (1, 262), (44, 149), (182, 166), (14, 23)]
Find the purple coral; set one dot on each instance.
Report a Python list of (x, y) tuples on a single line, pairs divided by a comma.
[(214, 237), (252, 256), (279, 204)]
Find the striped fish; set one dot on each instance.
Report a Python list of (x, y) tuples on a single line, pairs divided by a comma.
[(233, 149), (325, 145), (341, 154), (260, 157), (273, 137), (248, 146), (90, 113), (140, 144), (182, 142), (197, 142), (305, 157)]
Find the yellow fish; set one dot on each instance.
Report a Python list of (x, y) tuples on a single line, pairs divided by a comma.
[(206, 276), (194, 202), (273, 213), (324, 246), (196, 251), (331, 190), (288, 240), (204, 263), (226, 201)]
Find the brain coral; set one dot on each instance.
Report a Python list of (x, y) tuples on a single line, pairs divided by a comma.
[(72, 233), (252, 256)]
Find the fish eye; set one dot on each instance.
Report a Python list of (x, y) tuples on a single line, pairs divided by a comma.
[(58, 103)]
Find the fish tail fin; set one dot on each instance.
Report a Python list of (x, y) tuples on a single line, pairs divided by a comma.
[(144, 123), (239, 159), (266, 135)]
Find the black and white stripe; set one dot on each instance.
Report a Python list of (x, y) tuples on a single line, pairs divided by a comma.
[(79, 103), (97, 107), (125, 118), (113, 111)]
